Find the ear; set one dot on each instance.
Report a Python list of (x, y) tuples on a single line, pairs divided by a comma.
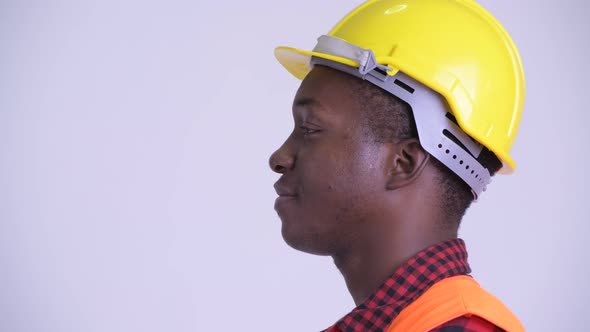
[(406, 163)]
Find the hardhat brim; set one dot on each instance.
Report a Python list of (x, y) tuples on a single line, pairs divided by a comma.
[(297, 61)]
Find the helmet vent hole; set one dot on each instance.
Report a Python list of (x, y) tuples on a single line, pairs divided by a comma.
[(447, 151), (461, 162), (455, 157)]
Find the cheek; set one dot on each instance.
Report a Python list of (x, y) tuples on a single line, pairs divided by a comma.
[(336, 179), (323, 173), (350, 164), (336, 189)]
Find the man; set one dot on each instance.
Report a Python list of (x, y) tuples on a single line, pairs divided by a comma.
[(406, 110)]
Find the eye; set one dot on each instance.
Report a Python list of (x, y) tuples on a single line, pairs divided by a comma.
[(307, 131)]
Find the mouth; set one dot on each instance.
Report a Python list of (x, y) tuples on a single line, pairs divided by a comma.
[(283, 201), (287, 195)]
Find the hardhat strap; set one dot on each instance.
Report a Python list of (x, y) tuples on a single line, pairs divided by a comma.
[(439, 135), (341, 48)]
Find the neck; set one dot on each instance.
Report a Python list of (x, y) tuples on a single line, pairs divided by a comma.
[(368, 265), (365, 273)]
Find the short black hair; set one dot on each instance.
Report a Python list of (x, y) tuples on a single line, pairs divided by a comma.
[(389, 119)]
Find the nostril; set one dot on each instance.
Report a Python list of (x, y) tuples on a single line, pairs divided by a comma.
[(282, 160)]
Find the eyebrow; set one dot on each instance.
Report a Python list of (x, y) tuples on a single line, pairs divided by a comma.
[(307, 101)]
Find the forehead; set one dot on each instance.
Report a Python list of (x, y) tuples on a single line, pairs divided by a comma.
[(326, 90)]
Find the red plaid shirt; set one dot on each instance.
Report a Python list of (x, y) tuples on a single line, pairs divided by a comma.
[(408, 282)]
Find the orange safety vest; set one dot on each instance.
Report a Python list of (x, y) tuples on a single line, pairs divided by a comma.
[(452, 298)]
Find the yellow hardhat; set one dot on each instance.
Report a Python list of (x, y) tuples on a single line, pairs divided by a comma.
[(454, 47)]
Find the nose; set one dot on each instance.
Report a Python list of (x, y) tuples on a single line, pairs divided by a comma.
[(283, 159)]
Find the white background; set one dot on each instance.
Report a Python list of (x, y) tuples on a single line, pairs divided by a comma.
[(134, 188)]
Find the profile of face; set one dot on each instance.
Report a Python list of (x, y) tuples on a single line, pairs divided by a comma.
[(332, 173)]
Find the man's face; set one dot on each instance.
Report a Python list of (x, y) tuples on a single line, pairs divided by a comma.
[(332, 173)]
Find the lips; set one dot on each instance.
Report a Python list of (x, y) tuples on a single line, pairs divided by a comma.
[(283, 189), (286, 194)]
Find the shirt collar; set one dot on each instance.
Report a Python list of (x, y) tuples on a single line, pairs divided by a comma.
[(408, 282)]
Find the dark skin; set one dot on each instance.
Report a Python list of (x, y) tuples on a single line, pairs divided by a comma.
[(371, 206)]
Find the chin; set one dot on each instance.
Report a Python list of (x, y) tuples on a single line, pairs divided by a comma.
[(308, 242)]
